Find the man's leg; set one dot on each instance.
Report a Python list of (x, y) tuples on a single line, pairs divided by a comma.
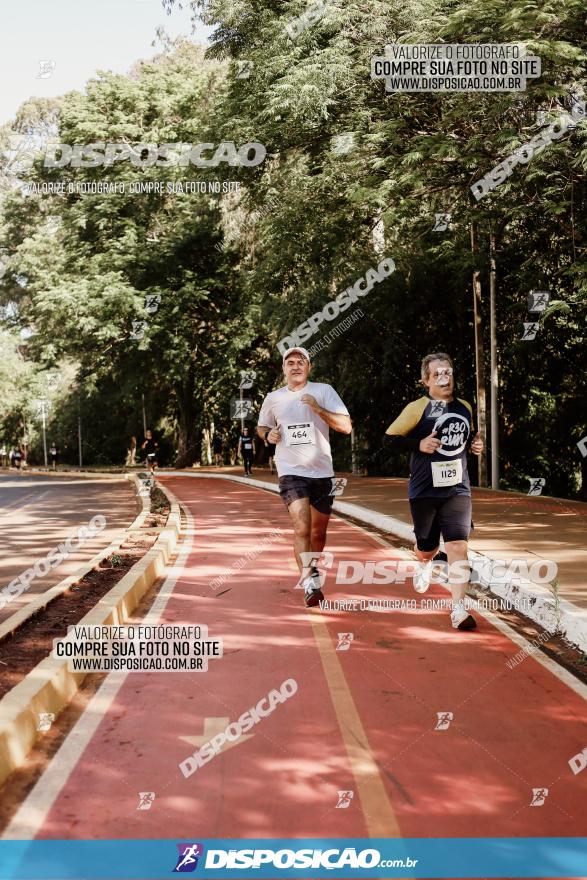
[(456, 551), (425, 555), (318, 527), (455, 518), (427, 532), (299, 511)]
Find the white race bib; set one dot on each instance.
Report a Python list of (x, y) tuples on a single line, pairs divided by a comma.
[(447, 473), (300, 435)]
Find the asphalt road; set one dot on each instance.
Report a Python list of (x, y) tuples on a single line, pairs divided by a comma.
[(38, 512)]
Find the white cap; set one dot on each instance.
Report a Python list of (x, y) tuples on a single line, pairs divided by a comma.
[(304, 352)]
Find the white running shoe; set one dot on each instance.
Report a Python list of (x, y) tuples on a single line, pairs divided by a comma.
[(460, 617), (423, 577), (316, 576), (313, 595)]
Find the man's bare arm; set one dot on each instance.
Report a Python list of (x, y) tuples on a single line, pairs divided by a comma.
[(337, 421)]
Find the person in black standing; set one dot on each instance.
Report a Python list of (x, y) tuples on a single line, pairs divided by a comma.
[(246, 449), (218, 448), (53, 456), (150, 447)]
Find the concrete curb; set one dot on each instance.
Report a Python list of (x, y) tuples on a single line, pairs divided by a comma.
[(43, 599), (50, 686), (533, 600)]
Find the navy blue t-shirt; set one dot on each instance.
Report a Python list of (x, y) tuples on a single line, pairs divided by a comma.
[(453, 422)]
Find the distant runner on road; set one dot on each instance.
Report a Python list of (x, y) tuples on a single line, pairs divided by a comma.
[(297, 419), (17, 458), (246, 449), (150, 447), (218, 448), (438, 430)]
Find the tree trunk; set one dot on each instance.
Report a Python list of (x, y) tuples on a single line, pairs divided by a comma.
[(189, 430), (479, 362), (494, 368)]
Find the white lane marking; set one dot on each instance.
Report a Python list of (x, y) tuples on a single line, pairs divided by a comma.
[(32, 813)]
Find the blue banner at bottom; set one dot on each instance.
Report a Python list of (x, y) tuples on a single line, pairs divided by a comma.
[(308, 858)]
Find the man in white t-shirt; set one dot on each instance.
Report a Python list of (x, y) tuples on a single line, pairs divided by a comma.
[(297, 419)]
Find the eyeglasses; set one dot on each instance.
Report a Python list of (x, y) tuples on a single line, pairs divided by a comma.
[(445, 371)]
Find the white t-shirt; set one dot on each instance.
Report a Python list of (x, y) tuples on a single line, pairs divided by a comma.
[(309, 453)]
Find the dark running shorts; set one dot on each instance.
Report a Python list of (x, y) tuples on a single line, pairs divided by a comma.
[(317, 489), (433, 517)]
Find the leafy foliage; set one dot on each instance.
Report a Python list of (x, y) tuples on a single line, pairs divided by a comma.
[(236, 272)]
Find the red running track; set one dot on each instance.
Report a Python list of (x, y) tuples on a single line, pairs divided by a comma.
[(362, 720)]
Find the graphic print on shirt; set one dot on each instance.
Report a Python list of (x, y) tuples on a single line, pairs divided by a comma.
[(453, 432)]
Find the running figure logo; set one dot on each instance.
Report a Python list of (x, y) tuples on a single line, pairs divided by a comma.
[(344, 800), (538, 300), (437, 408), (147, 484), (244, 68), (24, 149), (52, 380), (152, 302), (441, 222), (46, 719), (146, 799), (46, 68), (338, 486), (539, 795), (341, 144), (189, 853), (319, 560), (241, 409), (444, 719), (344, 641), (530, 330), (138, 329), (536, 485), (247, 379)]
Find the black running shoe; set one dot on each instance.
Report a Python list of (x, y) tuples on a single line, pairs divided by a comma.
[(313, 597)]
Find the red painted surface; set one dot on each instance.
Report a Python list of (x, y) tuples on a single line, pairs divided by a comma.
[(513, 730)]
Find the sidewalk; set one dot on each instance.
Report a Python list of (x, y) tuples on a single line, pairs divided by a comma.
[(508, 525)]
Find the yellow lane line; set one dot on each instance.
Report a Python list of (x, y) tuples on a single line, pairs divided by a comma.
[(378, 812)]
